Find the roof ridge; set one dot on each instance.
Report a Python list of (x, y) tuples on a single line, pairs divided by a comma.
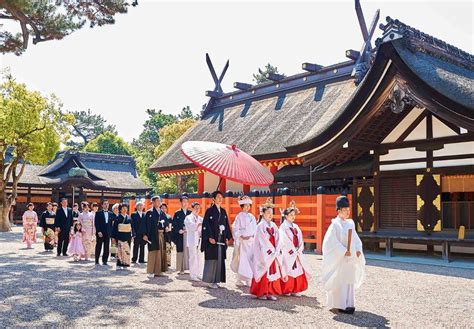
[(421, 41)]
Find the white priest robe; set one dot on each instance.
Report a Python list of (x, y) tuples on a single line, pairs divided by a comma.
[(244, 225), (341, 275), (193, 230), (264, 253), (292, 254)]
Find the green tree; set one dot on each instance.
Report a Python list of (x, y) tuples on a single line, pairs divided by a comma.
[(53, 20), (32, 128), (108, 143), (86, 127), (186, 113), (261, 76), (168, 135), (144, 146)]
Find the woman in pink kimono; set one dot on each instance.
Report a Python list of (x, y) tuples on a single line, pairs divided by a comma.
[(30, 220), (86, 218)]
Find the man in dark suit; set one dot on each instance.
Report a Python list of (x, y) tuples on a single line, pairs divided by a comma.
[(103, 229), (157, 223), (215, 236), (138, 229), (62, 225), (182, 261)]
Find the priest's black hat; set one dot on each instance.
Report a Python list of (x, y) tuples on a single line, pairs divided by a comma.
[(342, 202)]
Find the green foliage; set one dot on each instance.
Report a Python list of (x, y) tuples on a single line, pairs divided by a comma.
[(32, 128), (53, 20), (86, 127), (169, 134), (108, 143), (144, 146), (160, 131), (261, 76)]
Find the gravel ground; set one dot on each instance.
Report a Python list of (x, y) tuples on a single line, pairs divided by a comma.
[(39, 289)]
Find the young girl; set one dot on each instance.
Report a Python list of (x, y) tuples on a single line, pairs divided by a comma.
[(30, 220), (266, 263), (76, 247), (292, 251), (193, 225)]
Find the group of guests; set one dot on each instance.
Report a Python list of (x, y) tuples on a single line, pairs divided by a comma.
[(267, 258)]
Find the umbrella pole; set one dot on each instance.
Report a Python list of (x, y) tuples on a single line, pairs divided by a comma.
[(219, 184)]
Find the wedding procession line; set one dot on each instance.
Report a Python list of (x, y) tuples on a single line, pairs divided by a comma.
[(267, 258)]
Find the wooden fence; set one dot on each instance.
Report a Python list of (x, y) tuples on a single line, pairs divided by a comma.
[(316, 211)]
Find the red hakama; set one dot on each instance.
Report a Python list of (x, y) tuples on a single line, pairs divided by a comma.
[(300, 283), (265, 287)]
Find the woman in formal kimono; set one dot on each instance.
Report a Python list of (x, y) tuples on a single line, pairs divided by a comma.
[(30, 220), (292, 247), (113, 218), (86, 218), (193, 225), (76, 247), (243, 231), (266, 260), (47, 227), (343, 263), (122, 236)]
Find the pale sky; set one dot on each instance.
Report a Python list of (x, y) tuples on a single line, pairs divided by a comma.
[(154, 56)]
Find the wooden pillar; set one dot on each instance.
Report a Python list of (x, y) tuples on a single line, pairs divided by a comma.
[(246, 189), (227, 206), (200, 183), (147, 202), (28, 195), (320, 217), (254, 208), (222, 185), (131, 207), (376, 191)]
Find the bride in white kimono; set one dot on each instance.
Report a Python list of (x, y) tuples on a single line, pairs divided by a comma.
[(343, 265), (243, 231)]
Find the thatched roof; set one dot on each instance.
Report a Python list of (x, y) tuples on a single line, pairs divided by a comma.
[(263, 127), (279, 118)]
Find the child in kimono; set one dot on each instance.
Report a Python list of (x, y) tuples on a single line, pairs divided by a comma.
[(30, 220), (343, 260), (76, 246), (292, 249), (266, 262)]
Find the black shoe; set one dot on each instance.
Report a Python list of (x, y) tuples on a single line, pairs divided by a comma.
[(58, 255), (142, 262), (350, 310), (65, 255), (105, 264)]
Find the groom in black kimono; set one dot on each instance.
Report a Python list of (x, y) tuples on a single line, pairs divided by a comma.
[(215, 236)]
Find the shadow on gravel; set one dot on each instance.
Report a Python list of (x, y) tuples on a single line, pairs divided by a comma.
[(36, 290), (231, 299), (363, 319), (422, 268)]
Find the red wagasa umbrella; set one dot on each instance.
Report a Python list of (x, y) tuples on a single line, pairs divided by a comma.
[(227, 162)]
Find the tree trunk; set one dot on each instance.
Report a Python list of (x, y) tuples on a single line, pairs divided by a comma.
[(5, 225)]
